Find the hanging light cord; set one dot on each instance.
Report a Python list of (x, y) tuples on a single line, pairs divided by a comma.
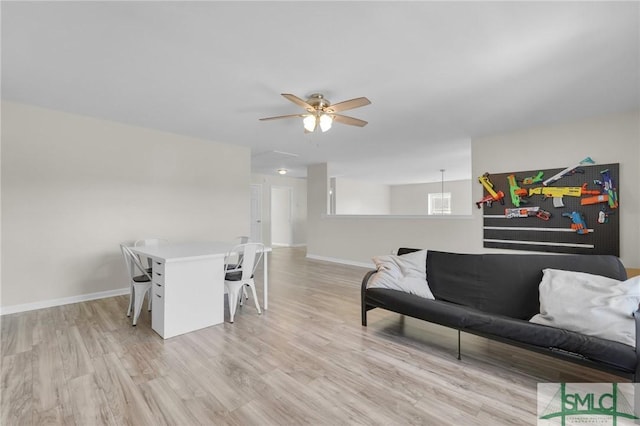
[(442, 191)]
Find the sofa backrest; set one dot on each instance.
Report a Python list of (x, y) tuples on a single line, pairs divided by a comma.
[(505, 284)]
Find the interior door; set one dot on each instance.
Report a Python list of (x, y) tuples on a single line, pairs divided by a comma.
[(256, 213)]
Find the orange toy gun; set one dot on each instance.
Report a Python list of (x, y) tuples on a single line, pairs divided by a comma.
[(493, 195)]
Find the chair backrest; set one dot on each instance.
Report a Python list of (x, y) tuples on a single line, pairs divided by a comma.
[(250, 255), (150, 242), (133, 262), (242, 239)]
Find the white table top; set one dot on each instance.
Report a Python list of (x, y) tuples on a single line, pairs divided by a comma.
[(187, 250)]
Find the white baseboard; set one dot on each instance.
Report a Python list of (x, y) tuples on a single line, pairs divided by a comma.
[(6, 310), (288, 245), (342, 261)]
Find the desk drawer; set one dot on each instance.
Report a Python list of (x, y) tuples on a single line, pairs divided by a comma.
[(157, 266), (157, 277), (157, 289)]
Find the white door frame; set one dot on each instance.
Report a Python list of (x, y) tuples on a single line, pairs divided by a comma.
[(255, 227)]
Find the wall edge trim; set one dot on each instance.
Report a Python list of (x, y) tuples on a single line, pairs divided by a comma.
[(14, 309), (342, 261)]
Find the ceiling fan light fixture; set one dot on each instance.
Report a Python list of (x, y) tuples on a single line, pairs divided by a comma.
[(309, 123), (325, 122), (319, 112)]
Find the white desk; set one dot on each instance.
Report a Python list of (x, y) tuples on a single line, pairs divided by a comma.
[(188, 285)]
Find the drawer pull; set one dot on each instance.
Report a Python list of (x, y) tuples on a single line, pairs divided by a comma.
[(158, 273), (157, 295), (159, 285)]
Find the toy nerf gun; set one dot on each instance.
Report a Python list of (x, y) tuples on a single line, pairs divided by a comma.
[(557, 176), (608, 188), (557, 192), (579, 225), (526, 212), (493, 195), (603, 215), (515, 191), (533, 179)]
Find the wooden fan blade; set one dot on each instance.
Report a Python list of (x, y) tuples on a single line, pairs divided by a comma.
[(296, 100), (349, 120), (350, 104), (283, 116)]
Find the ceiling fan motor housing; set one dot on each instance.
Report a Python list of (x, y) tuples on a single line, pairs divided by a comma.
[(318, 101)]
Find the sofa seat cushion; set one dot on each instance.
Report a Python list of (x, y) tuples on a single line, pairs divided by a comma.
[(608, 352), (435, 311), (613, 354)]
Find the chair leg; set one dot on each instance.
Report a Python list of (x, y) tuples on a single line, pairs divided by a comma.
[(139, 292), (149, 299), (255, 297), (131, 297), (244, 296), (233, 302)]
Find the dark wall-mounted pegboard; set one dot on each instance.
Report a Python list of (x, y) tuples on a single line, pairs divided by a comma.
[(555, 234)]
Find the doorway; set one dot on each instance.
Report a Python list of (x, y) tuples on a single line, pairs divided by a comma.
[(281, 216), (255, 228)]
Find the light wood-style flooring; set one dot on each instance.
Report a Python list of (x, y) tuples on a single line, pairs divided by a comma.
[(307, 360)]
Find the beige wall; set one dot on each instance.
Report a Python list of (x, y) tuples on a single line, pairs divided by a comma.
[(298, 204), (74, 187), (613, 139), (361, 197), (413, 199)]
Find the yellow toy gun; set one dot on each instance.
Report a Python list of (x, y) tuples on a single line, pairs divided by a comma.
[(560, 191)]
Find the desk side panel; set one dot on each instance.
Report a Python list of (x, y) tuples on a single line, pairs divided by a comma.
[(193, 295)]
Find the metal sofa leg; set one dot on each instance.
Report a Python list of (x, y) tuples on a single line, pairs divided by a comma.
[(459, 357), (364, 315)]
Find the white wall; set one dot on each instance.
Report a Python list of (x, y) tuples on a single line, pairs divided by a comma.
[(281, 216), (299, 205), (612, 139), (360, 197), (74, 187), (413, 199)]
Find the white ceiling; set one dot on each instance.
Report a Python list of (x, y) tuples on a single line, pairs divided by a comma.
[(437, 73)]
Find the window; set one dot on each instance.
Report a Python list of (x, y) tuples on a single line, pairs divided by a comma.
[(439, 203)]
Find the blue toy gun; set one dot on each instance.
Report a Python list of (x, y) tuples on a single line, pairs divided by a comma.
[(608, 188), (579, 225)]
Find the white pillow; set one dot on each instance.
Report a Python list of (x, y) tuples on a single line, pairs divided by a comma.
[(406, 273), (589, 304)]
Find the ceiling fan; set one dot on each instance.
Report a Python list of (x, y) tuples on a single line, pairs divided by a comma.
[(321, 113)]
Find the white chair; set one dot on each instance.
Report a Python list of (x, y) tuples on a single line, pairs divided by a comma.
[(234, 260), (139, 284), (241, 276)]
